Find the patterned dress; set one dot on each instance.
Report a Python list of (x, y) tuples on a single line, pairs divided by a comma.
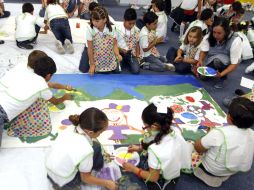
[(151, 37), (104, 57), (132, 41)]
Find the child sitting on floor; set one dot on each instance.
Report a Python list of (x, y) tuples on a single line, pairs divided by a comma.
[(58, 21), (103, 52), (127, 35), (27, 27), (160, 168), (71, 158), (20, 88), (187, 56), (228, 149), (148, 40)]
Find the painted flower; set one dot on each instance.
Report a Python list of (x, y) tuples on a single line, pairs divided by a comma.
[(124, 108)]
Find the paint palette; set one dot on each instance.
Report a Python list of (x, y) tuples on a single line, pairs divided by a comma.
[(122, 155), (207, 71)]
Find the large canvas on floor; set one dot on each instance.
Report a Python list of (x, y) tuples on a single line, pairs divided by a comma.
[(122, 98)]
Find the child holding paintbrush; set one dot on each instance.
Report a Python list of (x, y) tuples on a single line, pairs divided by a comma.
[(160, 168)]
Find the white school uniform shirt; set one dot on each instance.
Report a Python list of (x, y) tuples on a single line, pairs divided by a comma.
[(235, 50), (188, 47), (25, 26), (171, 155), (54, 11), (143, 42), (92, 31), (161, 29), (230, 149), (72, 152), (247, 52), (19, 89), (189, 4), (121, 31)]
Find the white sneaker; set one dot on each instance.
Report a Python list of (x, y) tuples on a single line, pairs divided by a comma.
[(170, 67), (135, 7), (69, 46), (59, 47), (250, 68)]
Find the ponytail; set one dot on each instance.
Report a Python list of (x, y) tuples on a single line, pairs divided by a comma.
[(75, 119), (150, 116)]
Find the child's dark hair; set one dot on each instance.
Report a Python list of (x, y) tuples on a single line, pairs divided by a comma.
[(236, 6), (150, 116), (44, 66), (197, 30), (159, 4), (92, 6), (224, 23), (242, 26), (206, 14), (241, 111), (91, 119), (100, 13), (34, 56), (150, 17), (130, 14), (27, 8)]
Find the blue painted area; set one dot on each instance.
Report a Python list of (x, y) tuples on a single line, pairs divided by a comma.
[(211, 71), (101, 85), (189, 115)]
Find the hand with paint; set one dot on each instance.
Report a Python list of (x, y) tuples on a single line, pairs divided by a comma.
[(134, 148), (129, 167)]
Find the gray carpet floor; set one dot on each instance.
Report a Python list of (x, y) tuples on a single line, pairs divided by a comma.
[(240, 181)]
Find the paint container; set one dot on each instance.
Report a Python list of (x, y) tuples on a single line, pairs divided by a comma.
[(77, 25)]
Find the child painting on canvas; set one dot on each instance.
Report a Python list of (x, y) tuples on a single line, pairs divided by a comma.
[(71, 159), (160, 168), (228, 149), (57, 19)]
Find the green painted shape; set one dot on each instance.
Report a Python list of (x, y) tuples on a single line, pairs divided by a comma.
[(164, 90), (119, 95), (132, 139), (31, 140), (60, 106), (192, 135), (207, 97)]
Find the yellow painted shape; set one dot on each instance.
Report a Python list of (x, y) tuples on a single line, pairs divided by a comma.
[(124, 155)]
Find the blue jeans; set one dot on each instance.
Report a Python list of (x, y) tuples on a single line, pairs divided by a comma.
[(3, 120), (181, 67), (61, 29), (156, 63), (131, 62), (71, 6)]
